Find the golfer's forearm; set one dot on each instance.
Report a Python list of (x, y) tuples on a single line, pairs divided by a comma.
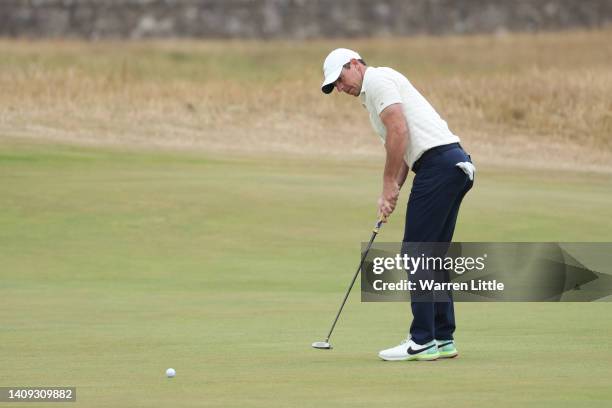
[(403, 174), (394, 164)]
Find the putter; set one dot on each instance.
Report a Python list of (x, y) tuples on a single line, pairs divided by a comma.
[(324, 345)]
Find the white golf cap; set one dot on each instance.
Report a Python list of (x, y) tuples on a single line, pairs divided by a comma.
[(332, 67)]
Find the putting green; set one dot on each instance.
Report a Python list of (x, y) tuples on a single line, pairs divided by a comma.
[(118, 265)]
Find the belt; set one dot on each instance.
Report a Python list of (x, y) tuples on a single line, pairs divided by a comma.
[(434, 151)]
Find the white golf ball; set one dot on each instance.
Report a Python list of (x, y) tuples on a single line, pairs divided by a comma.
[(171, 372)]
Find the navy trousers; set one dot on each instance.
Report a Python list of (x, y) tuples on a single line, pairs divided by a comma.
[(437, 191)]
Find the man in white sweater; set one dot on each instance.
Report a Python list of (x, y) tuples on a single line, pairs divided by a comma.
[(416, 137)]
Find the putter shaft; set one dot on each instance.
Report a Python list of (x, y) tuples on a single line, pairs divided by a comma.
[(375, 231)]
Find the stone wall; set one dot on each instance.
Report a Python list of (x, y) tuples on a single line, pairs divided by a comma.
[(296, 19)]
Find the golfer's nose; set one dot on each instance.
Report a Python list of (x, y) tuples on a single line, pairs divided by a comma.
[(339, 86)]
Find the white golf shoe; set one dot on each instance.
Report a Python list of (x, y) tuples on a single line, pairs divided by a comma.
[(408, 350)]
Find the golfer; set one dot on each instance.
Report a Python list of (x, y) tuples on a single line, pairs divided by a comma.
[(416, 137)]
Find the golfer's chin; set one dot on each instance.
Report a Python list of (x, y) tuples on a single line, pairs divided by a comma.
[(353, 92)]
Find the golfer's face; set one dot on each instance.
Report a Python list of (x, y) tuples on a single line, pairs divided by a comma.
[(349, 81)]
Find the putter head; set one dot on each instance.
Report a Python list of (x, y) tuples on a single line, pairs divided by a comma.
[(322, 345)]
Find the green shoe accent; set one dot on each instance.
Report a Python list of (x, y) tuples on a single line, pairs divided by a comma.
[(430, 355), (447, 349)]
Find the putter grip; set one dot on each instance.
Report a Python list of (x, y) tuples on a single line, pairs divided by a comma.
[(379, 223)]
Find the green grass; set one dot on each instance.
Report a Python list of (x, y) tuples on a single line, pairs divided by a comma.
[(117, 265)]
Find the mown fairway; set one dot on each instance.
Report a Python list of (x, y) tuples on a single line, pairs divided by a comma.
[(117, 265)]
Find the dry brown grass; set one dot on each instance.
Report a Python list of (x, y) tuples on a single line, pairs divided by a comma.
[(538, 99)]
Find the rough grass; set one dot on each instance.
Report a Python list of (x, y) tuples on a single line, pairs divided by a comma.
[(537, 99)]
